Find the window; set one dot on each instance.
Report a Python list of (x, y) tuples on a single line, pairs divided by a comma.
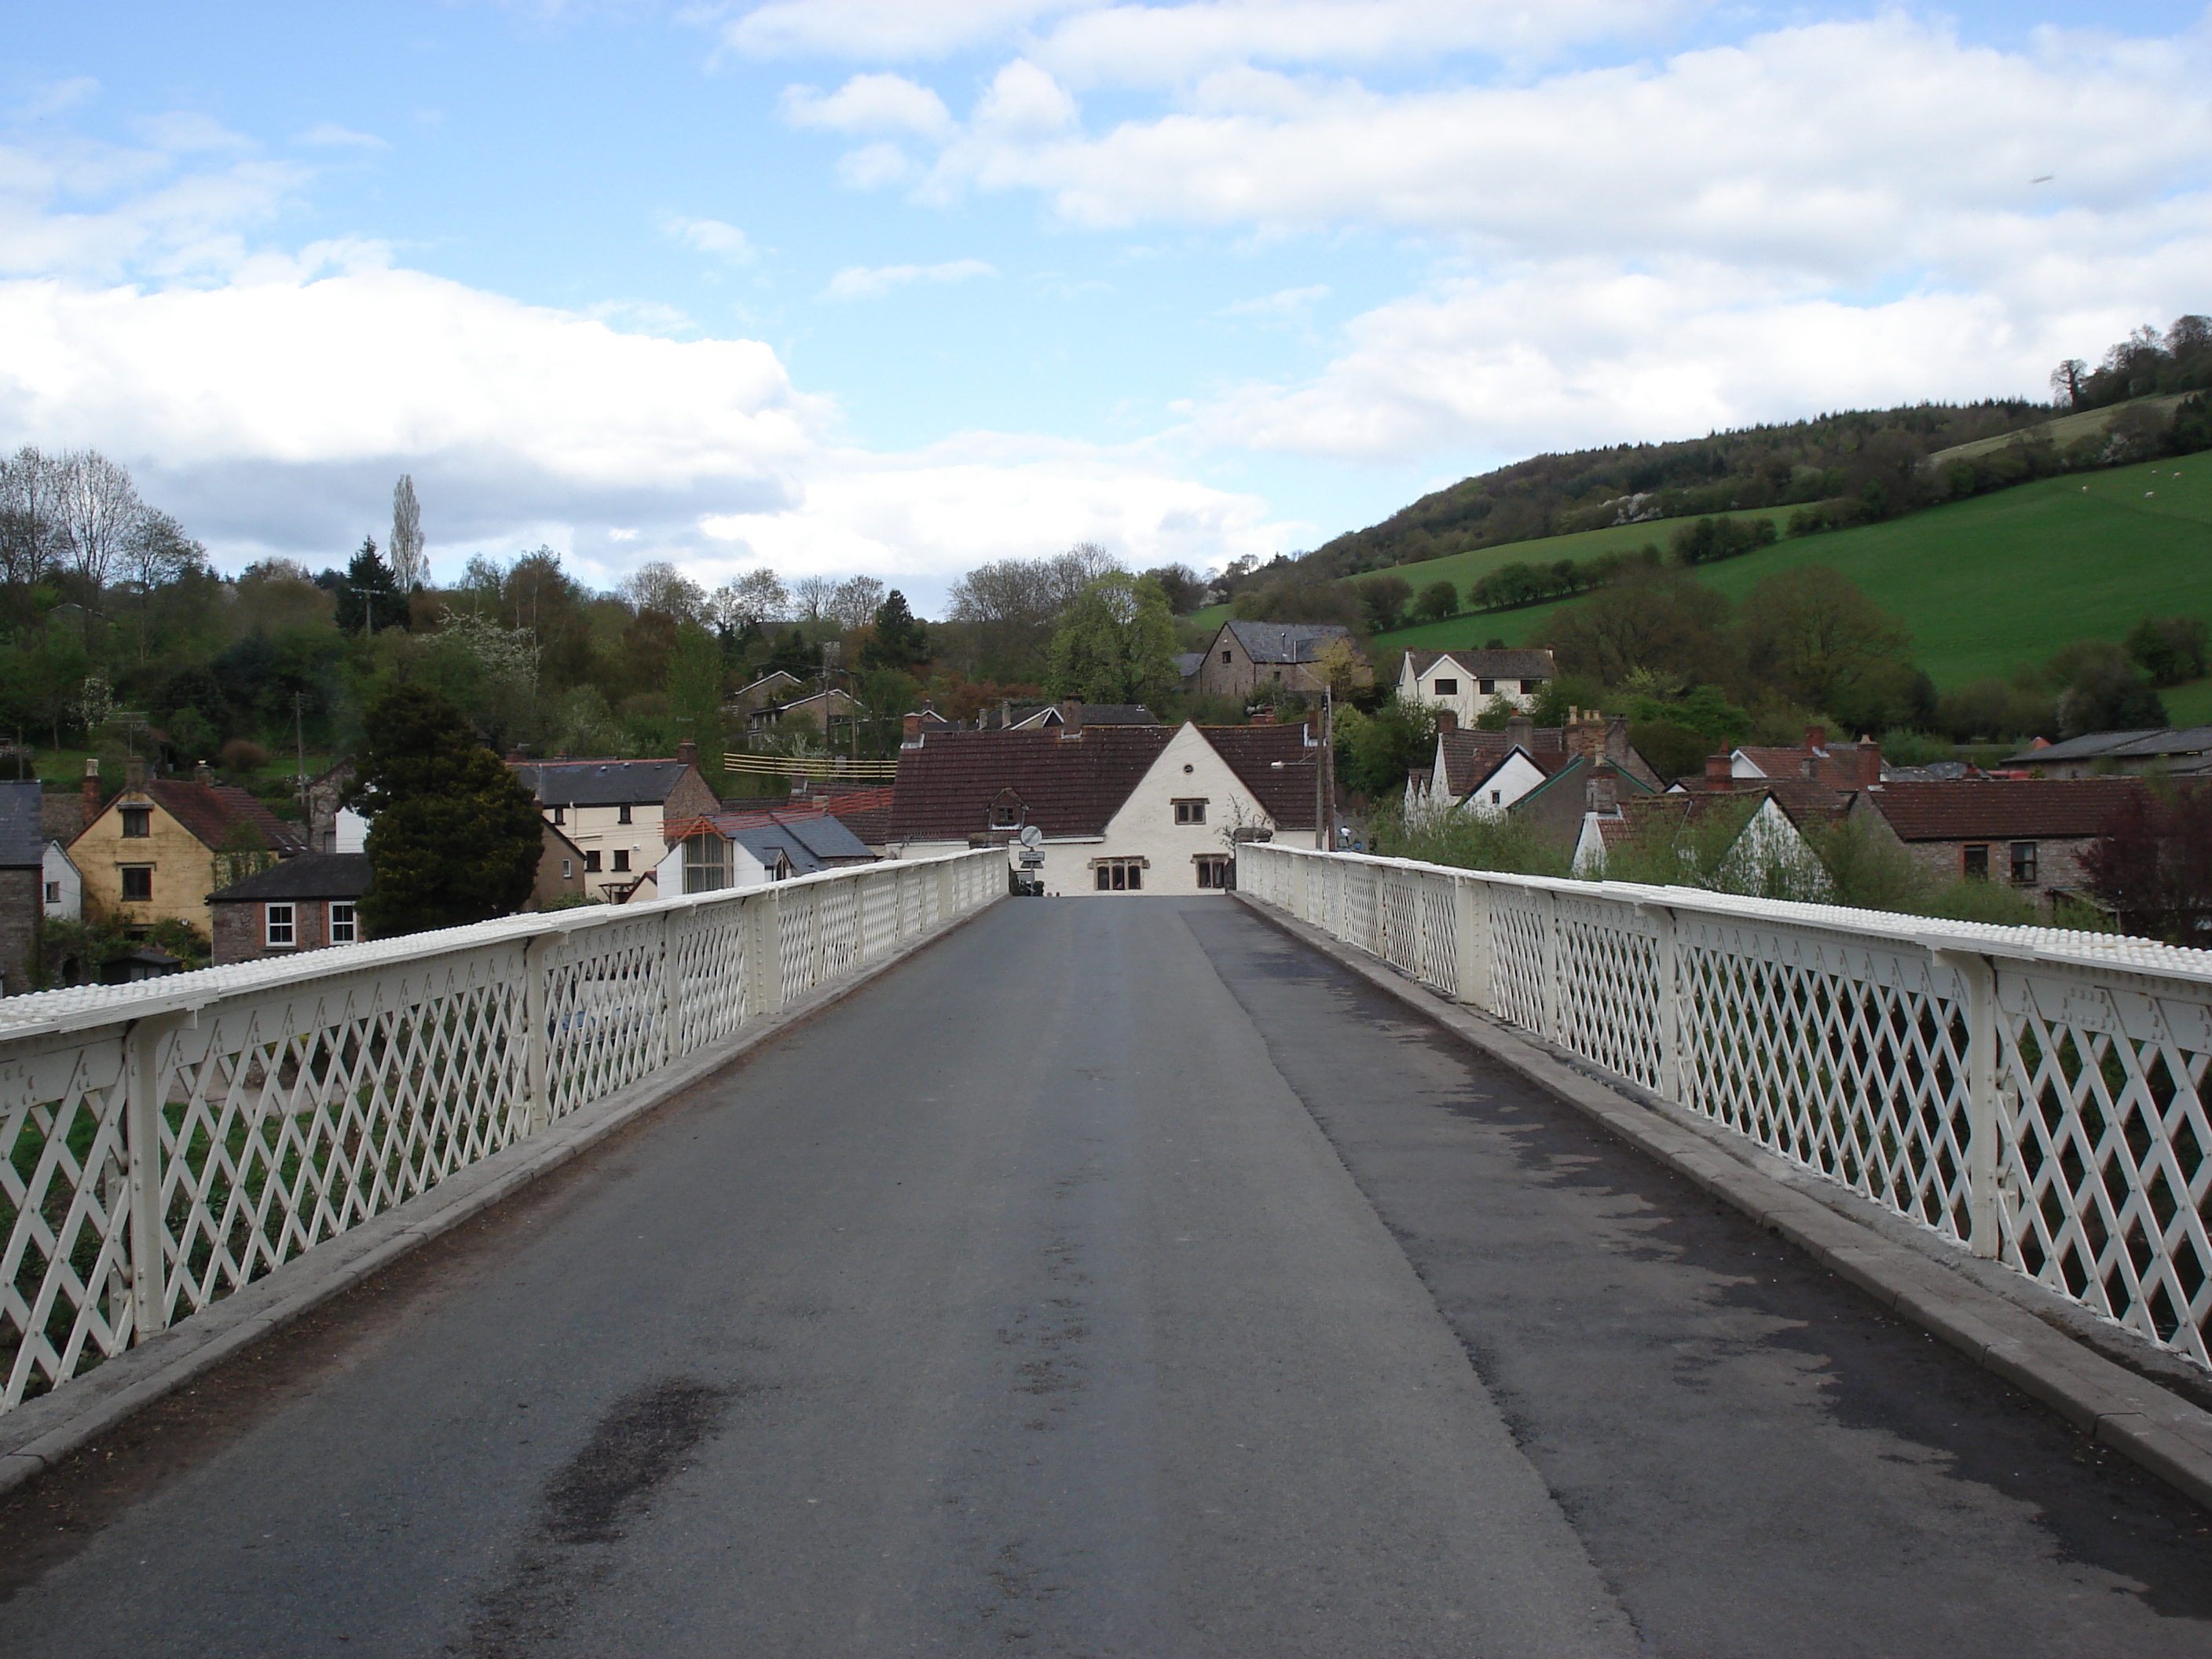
[(343, 928), (568, 869), (53, 892), (1225, 656), (590, 864), (1005, 815), (622, 862), (137, 883), (1447, 688), (1497, 798), (1190, 811), (282, 933), (559, 815), (1487, 688), (1216, 872), (1532, 685), (706, 864), (1120, 875), (138, 822), (1974, 861), (622, 813), (2023, 863)]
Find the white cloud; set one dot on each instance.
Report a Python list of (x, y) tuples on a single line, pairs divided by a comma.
[(880, 30), (872, 283), (869, 103), (873, 166), (331, 135), (725, 242), (55, 97), (1023, 101), (184, 132)]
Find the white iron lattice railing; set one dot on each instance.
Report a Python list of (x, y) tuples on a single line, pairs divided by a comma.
[(163, 1144), (2036, 1096)]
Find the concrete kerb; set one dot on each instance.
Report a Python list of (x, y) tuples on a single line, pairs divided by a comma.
[(41, 1433), (2155, 1427)]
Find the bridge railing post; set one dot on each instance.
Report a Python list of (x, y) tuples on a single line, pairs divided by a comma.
[(1470, 940), (1548, 923), (763, 953), (1667, 1011), (1984, 1128), (144, 1086), (536, 1034)]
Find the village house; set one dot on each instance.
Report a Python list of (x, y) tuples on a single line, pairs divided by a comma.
[(2183, 753), (751, 849), (1121, 809), (827, 713), (1252, 660), (1839, 766), (611, 811), (64, 884), (306, 904), (774, 686), (158, 849), (1486, 773), (1772, 852), (1470, 683), (22, 887), (2028, 833)]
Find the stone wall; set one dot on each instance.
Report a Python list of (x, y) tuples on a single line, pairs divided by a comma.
[(22, 919)]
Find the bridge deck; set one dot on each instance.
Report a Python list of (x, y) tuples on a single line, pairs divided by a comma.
[(1104, 1281)]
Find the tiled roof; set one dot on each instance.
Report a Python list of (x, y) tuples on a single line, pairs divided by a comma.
[(1470, 756), (22, 826), (1998, 809), (212, 811), (1118, 713), (310, 876), (1804, 800), (1835, 765), (599, 782), (1285, 641), (1074, 786), (62, 815), (1508, 664)]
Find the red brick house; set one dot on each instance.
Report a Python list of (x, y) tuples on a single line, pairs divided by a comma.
[(305, 903)]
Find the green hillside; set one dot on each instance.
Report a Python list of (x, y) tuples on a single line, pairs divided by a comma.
[(1985, 585)]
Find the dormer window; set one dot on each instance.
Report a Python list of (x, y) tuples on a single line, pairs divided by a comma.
[(138, 822), (1005, 815)]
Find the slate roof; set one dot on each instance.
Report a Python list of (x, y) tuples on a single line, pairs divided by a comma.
[(2001, 809), (599, 782), (22, 826), (1285, 641), (1074, 786), (2095, 745), (811, 843), (1189, 662), (211, 810), (832, 827), (1118, 713), (1512, 664), (310, 876)]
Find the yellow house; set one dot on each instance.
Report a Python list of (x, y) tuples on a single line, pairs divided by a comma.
[(158, 849)]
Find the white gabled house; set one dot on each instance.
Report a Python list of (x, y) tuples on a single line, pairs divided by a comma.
[(1470, 683)]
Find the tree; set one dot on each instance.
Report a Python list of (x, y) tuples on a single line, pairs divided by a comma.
[(1438, 601), (853, 601), (95, 510), (1116, 644), (369, 600), (660, 586), (28, 530), (695, 694), (1185, 588), (1658, 620), (2066, 383), (2151, 863), (455, 837), (2169, 649), (899, 641), (811, 594), (408, 569), (1812, 634), (753, 600), (1383, 602)]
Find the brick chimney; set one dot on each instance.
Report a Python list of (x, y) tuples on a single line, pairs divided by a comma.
[(1720, 770), (910, 732), (516, 757), (1005, 713), (1071, 717), (1816, 737), (1520, 729), (134, 773), (1447, 720), (91, 788), (203, 775), (688, 752), (1603, 786), (1870, 759), (1585, 733)]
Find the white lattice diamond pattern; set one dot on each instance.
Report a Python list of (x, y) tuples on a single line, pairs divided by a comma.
[(64, 1278), (603, 1007), (1608, 993), (2108, 1162)]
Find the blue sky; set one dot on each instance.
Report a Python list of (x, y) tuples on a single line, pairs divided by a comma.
[(842, 285)]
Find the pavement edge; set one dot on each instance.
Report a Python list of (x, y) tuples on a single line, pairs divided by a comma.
[(2151, 1426), (40, 1433)]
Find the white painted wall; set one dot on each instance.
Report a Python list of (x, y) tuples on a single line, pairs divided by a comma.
[(58, 875), (350, 834), (1465, 701)]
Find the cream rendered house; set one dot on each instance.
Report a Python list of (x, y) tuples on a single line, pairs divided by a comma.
[(1470, 683)]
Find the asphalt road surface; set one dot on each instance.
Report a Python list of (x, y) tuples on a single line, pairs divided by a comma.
[(1116, 1277)]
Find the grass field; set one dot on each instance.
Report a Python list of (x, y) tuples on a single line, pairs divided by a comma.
[(2061, 431), (1985, 587)]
